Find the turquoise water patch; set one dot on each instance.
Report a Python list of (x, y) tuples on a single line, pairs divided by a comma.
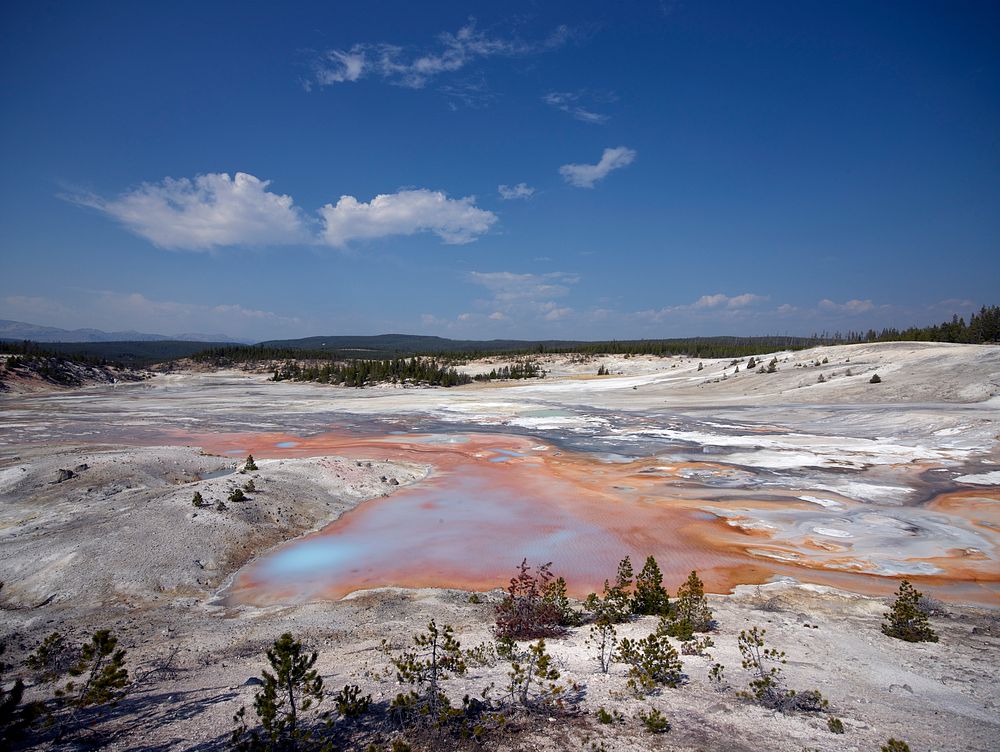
[(286, 444)]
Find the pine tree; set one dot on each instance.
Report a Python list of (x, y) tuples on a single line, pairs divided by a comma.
[(104, 668), (650, 596), (292, 688), (691, 611), (905, 619), (250, 465), (438, 655)]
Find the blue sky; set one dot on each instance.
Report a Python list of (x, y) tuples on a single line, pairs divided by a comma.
[(537, 169)]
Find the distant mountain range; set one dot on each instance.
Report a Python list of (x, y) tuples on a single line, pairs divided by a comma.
[(37, 333)]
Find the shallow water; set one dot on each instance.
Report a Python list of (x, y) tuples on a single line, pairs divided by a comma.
[(822, 493)]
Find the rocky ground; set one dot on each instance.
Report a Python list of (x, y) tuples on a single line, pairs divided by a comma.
[(106, 536)]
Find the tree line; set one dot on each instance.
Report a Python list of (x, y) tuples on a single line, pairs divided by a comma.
[(359, 373)]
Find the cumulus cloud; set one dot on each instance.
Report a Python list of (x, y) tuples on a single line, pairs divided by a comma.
[(510, 192), (414, 69), (586, 175), (455, 221), (215, 210), (210, 211), (572, 104), (849, 307)]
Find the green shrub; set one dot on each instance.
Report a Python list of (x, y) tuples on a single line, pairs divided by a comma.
[(906, 620), (250, 465), (764, 665), (895, 745), (350, 703), (289, 689), (650, 596), (875, 379), (835, 725), (654, 721), (197, 500), (237, 495), (653, 662)]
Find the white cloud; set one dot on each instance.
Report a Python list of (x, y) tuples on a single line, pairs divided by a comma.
[(586, 175), (455, 221), (850, 307), (569, 102), (338, 66), (210, 211), (510, 192), (719, 301), (508, 286), (414, 70), (498, 316)]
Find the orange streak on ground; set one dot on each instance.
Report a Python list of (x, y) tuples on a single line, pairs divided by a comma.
[(637, 512)]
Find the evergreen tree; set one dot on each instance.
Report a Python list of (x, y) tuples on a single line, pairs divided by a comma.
[(104, 668), (250, 464), (289, 689), (650, 596), (906, 620), (691, 611), (438, 655)]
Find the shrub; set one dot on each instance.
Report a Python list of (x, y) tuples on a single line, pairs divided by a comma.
[(605, 638), (654, 721), (250, 465), (773, 365), (220, 506), (437, 656), (906, 620), (691, 612), (554, 595), (103, 667), (653, 662), (249, 486), (895, 745), (875, 379), (237, 495), (197, 500), (524, 611), (835, 725), (716, 675), (820, 380), (51, 659), (764, 665), (616, 604), (603, 716), (697, 647), (350, 703), (650, 597), (533, 678), (751, 363), (475, 599), (292, 688)]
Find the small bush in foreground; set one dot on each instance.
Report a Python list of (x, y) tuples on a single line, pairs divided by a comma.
[(895, 745), (654, 721), (835, 725), (764, 665), (906, 620), (653, 662), (250, 465), (197, 500), (237, 495), (875, 379)]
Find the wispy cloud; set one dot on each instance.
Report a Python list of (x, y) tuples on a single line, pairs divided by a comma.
[(575, 104), (853, 307), (522, 298), (133, 310), (414, 69), (511, 192), (455, 221), (586, 175), (207, 212)]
